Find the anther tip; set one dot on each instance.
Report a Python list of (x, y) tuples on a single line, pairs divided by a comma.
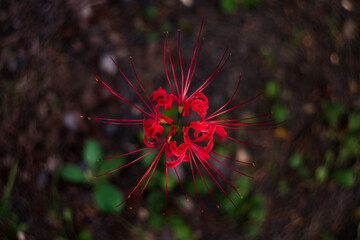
[(163, 213), (81, 116), (253, 164), (130, 57), (131, 208), (187, 200), (241, 197), (179, 30), (218, 206), (89, 118)]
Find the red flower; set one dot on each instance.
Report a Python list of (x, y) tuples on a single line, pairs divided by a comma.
[(192, 144)]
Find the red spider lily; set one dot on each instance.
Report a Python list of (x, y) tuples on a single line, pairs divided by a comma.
[(191, 144)]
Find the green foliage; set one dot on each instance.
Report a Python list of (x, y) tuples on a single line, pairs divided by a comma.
[(258, 210), (67, 215), (345, 178), (4, 204), (152, 36), (150, 12), (60, 238), (84, 235), (201, 188), (155, 201), (171, 181), (283, 186), (244, 186), (72, 173), (279, 111), (250, 3), (267, 55), (333, 112), (354, 122), (156, 221), (109, 165), (272, 89), (251, 230), (107, 197), (296, 162), (92, 152), (181, 230), (350, 148), (321, 174), (166, 26), (149, 158), (227, 6)]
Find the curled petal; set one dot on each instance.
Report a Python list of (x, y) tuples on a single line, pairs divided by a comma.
[(179, 151), (199, 103), (186, 134), (162, 99), (173, 163), (151, 128), (221, 133), (204, 131)]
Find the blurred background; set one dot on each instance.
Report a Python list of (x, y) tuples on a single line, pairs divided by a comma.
[(304, 56)]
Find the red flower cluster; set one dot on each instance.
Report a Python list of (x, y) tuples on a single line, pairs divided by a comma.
[(192, 143)]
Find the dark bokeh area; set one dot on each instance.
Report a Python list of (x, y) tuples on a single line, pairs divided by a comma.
[(304, 56)]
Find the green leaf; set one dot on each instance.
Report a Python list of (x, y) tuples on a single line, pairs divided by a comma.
[(201, 188), (150, 12), (180, 229), (296, 161), (67, 215), (148, 159), (251, 230), (257, 210), (227, 6), (283, 186), (156, 221), (107, 197), (72, 173), (244, 185), (333, 112), (345, 178), (4, 202), (108, 165), (155, 201), (172, 182), (321, 174), (271, 89), (250, 3), (92, 152), (303, 172), (350, 148), (152, 36), (279, 111), (84, 235), (354, 122), (60, 238)]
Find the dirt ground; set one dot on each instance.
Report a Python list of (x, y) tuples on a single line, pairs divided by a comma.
[(310, 50)]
